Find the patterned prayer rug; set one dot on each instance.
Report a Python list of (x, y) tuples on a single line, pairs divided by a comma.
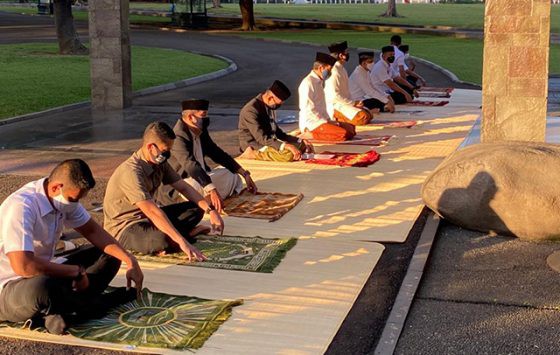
[(393, 124), (262, 205), (436, 89), (364, 139), (434, 94), (158, 320), (348, 159), (428, 103), (232, 253)]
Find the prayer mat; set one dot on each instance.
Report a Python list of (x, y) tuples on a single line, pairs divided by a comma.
[(428, 103), (434, 94), (393, 124), (158, 320), (232, 253), (436, 89), (362, 140), (262, 205), (348, 159)]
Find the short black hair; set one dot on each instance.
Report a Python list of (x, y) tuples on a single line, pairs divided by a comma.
[(363, 56), (396, 39), (160, 130), (75, 172), (404, 48)]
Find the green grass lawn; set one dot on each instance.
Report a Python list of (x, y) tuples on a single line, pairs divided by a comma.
[(462, 56), (35, 78), (455, 15), (83, 15)]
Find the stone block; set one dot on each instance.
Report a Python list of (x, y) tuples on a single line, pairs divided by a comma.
[(495, 73), (524, 39), (528, 62), (521, 118), (510, 188), (510, 7), (527, 24), (526, 87), (502, 24), (541, 8), (499, 39)]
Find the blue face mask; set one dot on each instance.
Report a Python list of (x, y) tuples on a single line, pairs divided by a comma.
[(325, 74)]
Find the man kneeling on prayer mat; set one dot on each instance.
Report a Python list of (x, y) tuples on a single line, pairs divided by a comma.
[(381, 77), (260, 137), (134, 216), (54, 292), (192, 146), (340, 105), (362, 90), (314, 120)]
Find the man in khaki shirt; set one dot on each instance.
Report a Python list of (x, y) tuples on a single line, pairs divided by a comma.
[(130, 210)]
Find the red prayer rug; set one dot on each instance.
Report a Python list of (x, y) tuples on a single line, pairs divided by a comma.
[(436, 89), (434, 94), (348, 159), (364, 139), (428, 103), (393, 124)]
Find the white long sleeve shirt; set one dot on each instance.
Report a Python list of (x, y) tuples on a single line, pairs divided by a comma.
[(361, 87), (380, 73), (337, 92), (399, 60), (312, 105)]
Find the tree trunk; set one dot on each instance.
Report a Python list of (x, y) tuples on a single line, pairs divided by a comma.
[(247, 14), (68, 40), (391, 9), (216, 4)]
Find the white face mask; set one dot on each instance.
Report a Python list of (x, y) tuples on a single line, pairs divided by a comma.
[(63, 205), (369, 66)]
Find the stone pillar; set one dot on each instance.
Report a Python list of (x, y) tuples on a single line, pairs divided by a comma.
[(515, 70), (111, 81)]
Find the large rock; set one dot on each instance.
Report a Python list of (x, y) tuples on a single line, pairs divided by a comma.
[(510, 188)]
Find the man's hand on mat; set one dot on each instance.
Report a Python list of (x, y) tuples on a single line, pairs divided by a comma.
[(358, 104), (216, 200), (251, 186), (134, 274), (408, 97), (81, 285), (193, 254), (308, 146), (294, 150), (415, 93), (217, 223)]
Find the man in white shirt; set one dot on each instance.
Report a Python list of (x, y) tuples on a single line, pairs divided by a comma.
[(411, 76), (314, 120), (362, 90), (399, 69), (340, 105), (382, 80), (50, 293)]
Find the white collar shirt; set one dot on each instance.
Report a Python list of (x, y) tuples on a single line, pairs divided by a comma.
[(337, 91), (30, 223), (380, 73), (399, 60), (312, 105), (361, 87)]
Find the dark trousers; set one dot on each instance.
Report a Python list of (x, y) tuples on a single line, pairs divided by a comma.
[(28, 298), (412, 80), (374, 103), (407, 89), (145, 238), (398, 98)]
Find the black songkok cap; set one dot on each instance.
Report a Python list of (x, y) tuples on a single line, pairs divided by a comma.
[(195, 105), (325, 59), (280, 90), (338, 47), (366, 54), (387, 49)]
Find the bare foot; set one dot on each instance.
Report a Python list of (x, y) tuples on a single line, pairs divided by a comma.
[(200, 229), (161, 253)]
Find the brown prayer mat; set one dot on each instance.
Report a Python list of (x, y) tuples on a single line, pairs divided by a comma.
[(262, 205)]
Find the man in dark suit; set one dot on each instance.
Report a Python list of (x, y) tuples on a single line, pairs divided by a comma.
[(259, 135), (193, 145)]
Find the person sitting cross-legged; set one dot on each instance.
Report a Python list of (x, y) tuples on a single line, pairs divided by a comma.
[(314, 120), (132, 209), (33, 284), (188, 158), (260, 137), (340, 105), (362, 90), (382, 80)]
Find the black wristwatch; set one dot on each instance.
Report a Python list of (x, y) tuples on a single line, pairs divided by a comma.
[(209, 209), (81, 274)]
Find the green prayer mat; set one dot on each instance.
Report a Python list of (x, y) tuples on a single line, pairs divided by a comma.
[(158, 320), (232, 253)]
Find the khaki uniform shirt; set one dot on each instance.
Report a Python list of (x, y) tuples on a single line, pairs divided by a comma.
[(135, 180)]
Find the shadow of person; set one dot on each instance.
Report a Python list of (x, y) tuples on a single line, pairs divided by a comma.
[(471, 208)]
